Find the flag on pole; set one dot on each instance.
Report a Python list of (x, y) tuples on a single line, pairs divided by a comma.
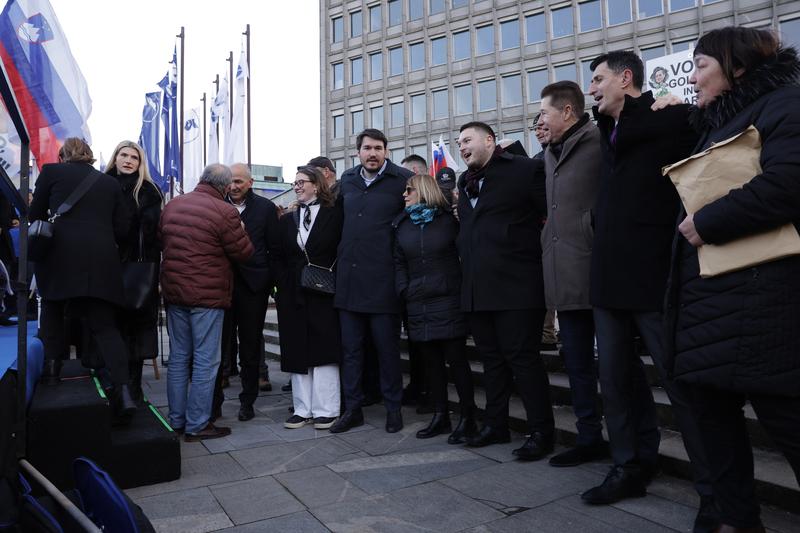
[(442, 157), (192, 150), (49, 87), (235, 147), (149, 138), (219, 121), (169, 115)]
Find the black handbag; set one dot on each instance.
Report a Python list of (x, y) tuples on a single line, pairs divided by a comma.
[(139, 280), (42, 232), (315, 277)]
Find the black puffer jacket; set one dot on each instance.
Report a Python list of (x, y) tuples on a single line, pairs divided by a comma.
[(428, 277), (740, 331)]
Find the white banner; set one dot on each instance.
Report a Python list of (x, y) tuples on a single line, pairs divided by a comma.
[(192, 150), (670, 75)]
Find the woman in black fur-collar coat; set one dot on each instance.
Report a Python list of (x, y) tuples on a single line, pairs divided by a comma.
[(736, 336), (144, 200)]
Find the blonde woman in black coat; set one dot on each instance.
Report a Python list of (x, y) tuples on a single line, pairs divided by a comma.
[(308, 324), (428, 281)]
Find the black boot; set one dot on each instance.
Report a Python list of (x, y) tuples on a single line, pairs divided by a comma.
[(440, 423), (122, 404), (135, 372), (465, 428)]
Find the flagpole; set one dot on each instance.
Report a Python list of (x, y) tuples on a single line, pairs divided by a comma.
[(249, 131), (182, 37), (203, 99), (230, 92), (216, 84)]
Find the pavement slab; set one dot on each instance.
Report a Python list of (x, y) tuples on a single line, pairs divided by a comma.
[(302, 522), (255, 499), (319, 486), (196, 472), (288, 456), (192, 510)]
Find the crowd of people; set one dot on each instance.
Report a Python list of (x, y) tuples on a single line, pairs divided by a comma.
[(590, 229)]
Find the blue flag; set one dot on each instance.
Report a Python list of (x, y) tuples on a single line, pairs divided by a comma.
[(149, 138), (169, 115)]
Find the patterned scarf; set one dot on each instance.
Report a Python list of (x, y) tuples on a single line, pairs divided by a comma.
[(307, 215), (421, 214)]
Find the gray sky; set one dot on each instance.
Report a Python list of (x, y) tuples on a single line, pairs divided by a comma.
[(123, 49)]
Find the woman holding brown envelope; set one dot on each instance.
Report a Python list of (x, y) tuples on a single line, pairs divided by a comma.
[(733, 300)]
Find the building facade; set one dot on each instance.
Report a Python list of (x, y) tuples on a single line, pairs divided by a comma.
[(418, 69)]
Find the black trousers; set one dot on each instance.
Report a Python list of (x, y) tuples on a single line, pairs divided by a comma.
[(245, 320), (508, 342), (9, 485), (100, 320), (435, 354), (730, 454)]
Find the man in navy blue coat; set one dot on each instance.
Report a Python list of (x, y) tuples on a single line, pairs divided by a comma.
[(372, 196)]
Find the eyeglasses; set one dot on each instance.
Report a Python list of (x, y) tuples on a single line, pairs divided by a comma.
[(409, 190), (299, 184)]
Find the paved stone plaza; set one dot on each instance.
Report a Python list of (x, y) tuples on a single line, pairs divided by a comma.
[(266, 478)]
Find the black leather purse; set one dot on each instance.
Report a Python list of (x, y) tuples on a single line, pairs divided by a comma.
[(42, 232), (139, 280), (315, 277)]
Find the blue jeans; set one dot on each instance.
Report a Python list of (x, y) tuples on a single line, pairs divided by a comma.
[(195, 335)]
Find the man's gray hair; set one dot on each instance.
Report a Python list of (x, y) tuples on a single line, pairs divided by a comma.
[(217, 175)]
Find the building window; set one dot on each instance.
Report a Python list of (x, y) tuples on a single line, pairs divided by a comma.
[(338, 164), (535, 31), (438, 51), (356, 71), (418, 108), (440, 104), (436, 7), (711, 1), (562, 22), (591, 15), (586, 72), (463, 99), (376, 66), (565, 72), (682, 46), (484, 40), (338, 126), (338, 76), (356, 121), (461, 45), (651, 53), (415, 11), (337, 29), (397, 113), (790, 32), (375, 22), (420, 150), (487, 95), (509, 34), (650, 8), (512, 90), (395, 61), (537, 80), (395, 13), (515, 136), (376, 117), (619, 11), (354, 161), (677, 5), (416, 56), (356, 26), (460, 3), (398, 154)]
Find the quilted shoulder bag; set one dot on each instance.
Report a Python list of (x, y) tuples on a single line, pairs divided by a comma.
[(315, 277)]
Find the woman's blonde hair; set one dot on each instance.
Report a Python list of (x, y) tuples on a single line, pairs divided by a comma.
[(144, 171), (428, 190)]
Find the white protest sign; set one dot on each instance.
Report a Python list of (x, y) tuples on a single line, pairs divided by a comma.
[(670, 75)]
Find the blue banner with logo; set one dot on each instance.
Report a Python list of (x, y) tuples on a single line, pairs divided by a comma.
[(149, 138)]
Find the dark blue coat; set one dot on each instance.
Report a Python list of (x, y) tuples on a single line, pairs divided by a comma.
[(428, 277), (260, 218), (365, 274)]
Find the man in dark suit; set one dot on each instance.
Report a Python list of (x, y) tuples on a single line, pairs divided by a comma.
[(634, 222), (501, 204), (365, 293), (252, 285)]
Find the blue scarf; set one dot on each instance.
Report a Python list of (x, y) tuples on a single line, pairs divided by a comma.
[(421, 214)]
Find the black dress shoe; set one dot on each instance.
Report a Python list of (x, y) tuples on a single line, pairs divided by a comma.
[(246, 412), (348, 421), (394, 421), (465, 428), (440, 423), (122, 404), (536, 447), (579, 455), (287, 387), (707, 519), (489, 435), (618, 485)]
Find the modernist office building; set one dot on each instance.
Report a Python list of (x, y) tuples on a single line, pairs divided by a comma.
[(418, 69)]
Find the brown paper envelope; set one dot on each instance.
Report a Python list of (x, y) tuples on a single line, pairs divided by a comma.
[(710, 175)]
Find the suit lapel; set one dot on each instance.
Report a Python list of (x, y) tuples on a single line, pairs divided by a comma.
[(320, 222)]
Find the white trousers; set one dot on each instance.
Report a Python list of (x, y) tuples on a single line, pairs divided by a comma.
[(316, 394)]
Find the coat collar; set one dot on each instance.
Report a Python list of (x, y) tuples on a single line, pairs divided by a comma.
[(572, 140), (205, 188)]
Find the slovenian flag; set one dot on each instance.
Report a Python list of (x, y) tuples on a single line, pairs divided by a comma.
[(49, 87), (442, 157)]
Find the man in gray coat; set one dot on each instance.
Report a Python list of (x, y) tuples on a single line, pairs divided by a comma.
[(572, 160)]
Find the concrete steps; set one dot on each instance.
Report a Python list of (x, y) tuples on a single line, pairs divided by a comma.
[(776, 481)]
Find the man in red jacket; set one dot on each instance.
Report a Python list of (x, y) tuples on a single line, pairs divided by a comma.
[(201, 234)]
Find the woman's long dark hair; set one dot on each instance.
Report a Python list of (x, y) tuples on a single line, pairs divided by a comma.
[(738, 49)]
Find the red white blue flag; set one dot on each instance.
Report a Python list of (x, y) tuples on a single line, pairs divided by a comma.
[(442, 157), (49, 87)]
